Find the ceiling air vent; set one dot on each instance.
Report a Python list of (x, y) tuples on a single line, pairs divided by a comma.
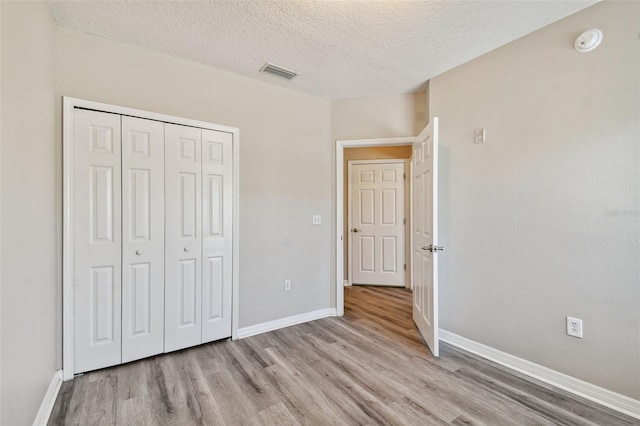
[(278, 71)]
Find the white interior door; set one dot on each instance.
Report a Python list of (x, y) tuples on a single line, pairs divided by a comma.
[(183, 237), (217, 229), (143, 238), (424, 193), (97, 245), (377, 223)]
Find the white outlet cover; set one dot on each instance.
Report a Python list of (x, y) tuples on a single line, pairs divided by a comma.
[(316, 220), (574, 327)]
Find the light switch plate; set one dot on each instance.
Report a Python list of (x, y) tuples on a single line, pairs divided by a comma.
[(317, 219), (480, 136)]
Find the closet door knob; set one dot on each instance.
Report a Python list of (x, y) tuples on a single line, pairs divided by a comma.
[(186, 249), (138, 252)]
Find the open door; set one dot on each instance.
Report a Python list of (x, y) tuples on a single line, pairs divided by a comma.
[(424, 195)]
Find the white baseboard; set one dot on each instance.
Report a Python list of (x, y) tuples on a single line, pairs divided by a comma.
[(285, 322), (602, 396), (49, 400)]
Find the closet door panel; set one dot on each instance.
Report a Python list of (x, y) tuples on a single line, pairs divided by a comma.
[(97, 240), (217, 208), (183, 237), (143, 238)]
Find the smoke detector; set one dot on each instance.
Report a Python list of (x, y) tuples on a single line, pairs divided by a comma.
[(278, 71), (588, 40)]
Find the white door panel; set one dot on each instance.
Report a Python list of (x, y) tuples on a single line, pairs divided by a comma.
[(217, 201), (143, 238), (97, 245), (377, 223), (424, 234), (183, 237)]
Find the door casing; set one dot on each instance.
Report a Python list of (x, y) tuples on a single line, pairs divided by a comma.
[(69, 104)]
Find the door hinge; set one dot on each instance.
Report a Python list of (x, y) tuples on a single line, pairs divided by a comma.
[(404, 221), (405, 266), (404, 176)]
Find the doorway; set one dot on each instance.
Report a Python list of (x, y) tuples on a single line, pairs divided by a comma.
[(341, 202), (424, 226)]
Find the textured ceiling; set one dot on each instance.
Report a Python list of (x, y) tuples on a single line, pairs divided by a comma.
[(341, 49)]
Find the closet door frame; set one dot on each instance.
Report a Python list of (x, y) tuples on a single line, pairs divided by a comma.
[(68, 203)]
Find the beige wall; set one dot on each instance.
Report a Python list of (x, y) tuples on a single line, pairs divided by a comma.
[(374, 153), (378, 117), (377, 153), (28, 209), (543, 220)]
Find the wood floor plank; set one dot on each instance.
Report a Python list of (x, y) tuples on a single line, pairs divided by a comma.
[(307, 407), (277, 415), (369, 367), (330, 391), (413, 413)]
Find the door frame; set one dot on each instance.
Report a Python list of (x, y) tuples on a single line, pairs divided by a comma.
[(339, 259), (407, 204), (68, 143)]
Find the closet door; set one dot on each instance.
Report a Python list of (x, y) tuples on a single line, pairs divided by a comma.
[(183, 237), (97, 245), (217, 208), (143, 238)]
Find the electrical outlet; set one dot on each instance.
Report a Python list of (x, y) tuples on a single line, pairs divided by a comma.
[(316, 219), (574, 327), (287, 285)]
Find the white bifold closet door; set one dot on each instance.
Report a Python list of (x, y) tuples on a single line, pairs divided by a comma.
[(142, 238), (183, 236), (152, 237), (97, 240), (119, 239), (198, 264), (217, 201)]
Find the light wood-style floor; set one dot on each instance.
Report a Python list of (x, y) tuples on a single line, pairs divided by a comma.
[(369, 367)]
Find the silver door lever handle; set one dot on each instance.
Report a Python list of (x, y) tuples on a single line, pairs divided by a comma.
[(433, 248), (355, 230)]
